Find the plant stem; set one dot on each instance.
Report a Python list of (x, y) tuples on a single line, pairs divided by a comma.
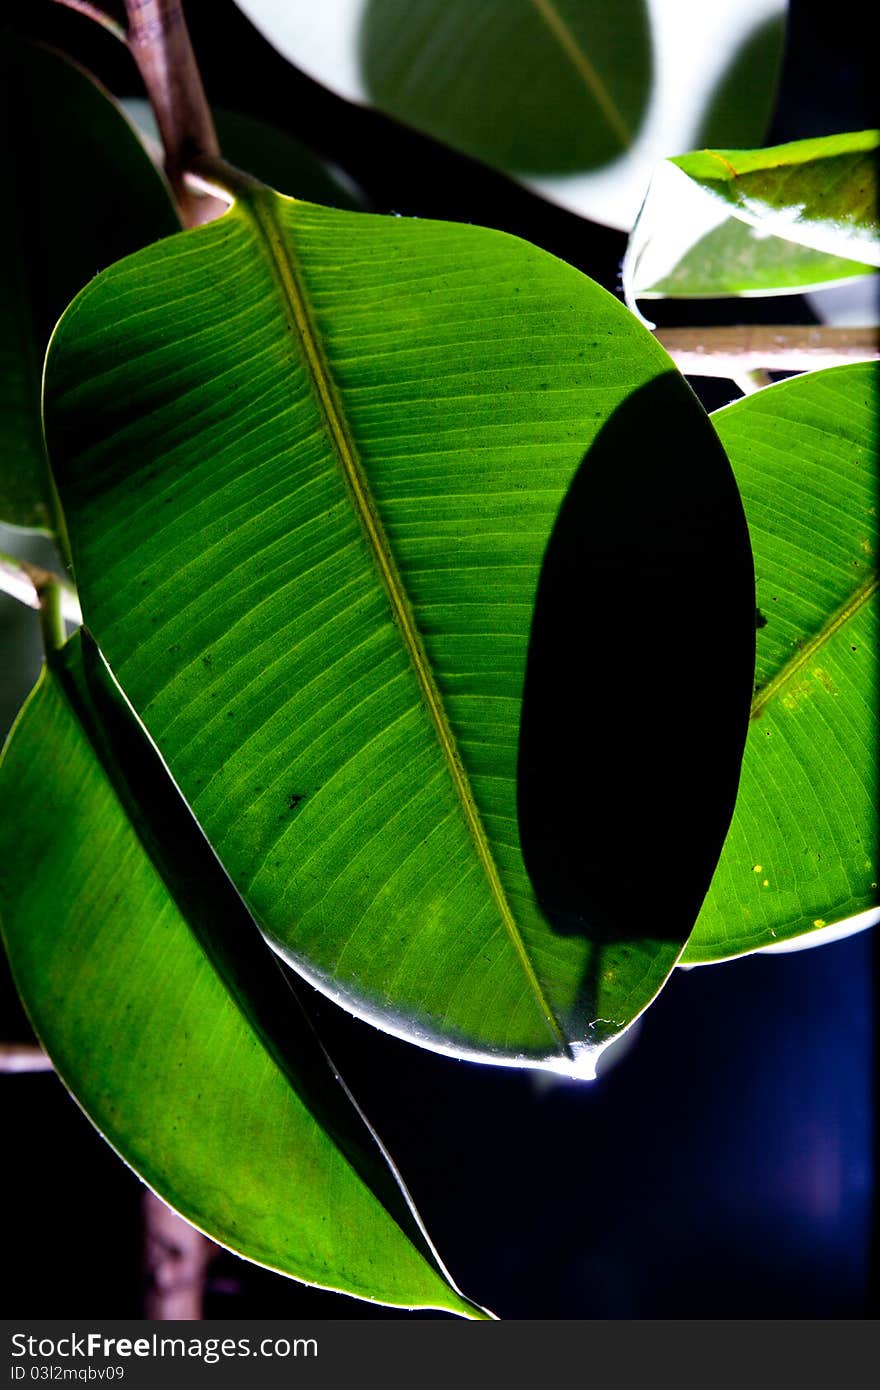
[(755, 380), (97, 14), (216, 176), (176, 1259), (735, 352), (52, 623), (160, 44), (21, 1057), (27, 583)]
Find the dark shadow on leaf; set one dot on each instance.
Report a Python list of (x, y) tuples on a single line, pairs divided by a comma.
[(638, 682)]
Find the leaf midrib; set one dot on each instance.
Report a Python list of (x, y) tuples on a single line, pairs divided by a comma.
[(585, 69), (260, 205), (839, 618)]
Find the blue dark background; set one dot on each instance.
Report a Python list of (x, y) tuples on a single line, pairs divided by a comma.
[(724, 1167)]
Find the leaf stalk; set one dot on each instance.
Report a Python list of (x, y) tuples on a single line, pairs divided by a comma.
[(23, 1057), (160, 44), (27, 583), (737, 351)]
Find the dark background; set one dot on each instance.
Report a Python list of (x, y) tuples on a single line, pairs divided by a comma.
[(725, 1166)]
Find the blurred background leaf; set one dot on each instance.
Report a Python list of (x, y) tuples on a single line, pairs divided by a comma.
[(580, 97), (81, 194)]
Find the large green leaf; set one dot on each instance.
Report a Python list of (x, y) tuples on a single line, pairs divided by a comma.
[(169, 1019), (80, 194), (579, 97), (310, 462), (801, 853)]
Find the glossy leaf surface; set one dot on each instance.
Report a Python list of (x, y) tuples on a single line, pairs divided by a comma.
[(578, 97), (805, 208), (685, 250), (169, 1019), (310, 463), (80, 194), (818, 193), (801, 854)]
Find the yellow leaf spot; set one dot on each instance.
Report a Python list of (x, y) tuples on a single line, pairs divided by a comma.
[(756, 868), (766, 883), (825, 680), (793, 697), (819, 922)]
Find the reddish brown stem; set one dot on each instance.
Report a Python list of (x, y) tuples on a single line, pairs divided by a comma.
[(176, 1258), (160, 44)]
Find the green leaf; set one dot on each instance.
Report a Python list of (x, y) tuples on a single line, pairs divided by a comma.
[(801, 853), (310, 463), (819, 193), (168, 1018), (803, 215), (671, 258), (579, 98), (534, 87), (80, 194)]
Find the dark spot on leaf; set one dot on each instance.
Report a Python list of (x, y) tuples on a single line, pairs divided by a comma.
[(760, 620), (293, 800)]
